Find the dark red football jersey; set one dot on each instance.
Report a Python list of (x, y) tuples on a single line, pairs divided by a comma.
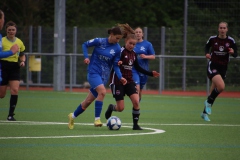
[(219, 49), (129, 59)]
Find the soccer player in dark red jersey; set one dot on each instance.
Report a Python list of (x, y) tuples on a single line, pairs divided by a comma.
[(222, 46), (128, 59)]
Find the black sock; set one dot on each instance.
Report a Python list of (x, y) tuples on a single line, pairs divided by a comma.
[(212, 96), (135, 116), (204, 111), (13, 103)]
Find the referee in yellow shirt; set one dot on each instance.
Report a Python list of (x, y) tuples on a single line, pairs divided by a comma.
[(10, 67)]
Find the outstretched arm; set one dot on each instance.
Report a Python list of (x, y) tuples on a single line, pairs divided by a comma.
[(140, 69), (13, 50)]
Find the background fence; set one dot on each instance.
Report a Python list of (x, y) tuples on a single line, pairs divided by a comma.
[(181, 68)]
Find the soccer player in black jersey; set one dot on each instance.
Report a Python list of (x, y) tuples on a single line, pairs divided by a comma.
[(128, 59), (221, 46)]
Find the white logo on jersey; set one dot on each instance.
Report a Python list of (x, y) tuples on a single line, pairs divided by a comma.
[(112, 52), (130, 62), (221, 48), (227, 44), (90, 41), (216, 44), (142, 48)]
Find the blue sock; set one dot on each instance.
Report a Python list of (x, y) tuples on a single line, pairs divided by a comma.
[(78, 111), (98, 108)]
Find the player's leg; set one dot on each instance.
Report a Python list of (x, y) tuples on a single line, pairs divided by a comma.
[(14, 82), (101, 90), (14, 86), (131, 91), (118, 94), (218, 86), (136, 79), (3, 90), (135, 111), (216, 74), (80, 109), (143, 81)]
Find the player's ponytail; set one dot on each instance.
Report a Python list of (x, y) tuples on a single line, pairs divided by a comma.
[(126, 29)]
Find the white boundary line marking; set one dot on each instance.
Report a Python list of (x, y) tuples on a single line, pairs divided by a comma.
[(155, 131)]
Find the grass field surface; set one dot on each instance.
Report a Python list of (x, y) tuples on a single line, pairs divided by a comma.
[(173, 129)]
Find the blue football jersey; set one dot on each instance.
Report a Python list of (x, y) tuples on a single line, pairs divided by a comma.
[(105, 55), (144, 47)]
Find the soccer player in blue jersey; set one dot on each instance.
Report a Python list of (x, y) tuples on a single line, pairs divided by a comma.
[(222, 46), (145, 52), (105, 55), (14, 49)]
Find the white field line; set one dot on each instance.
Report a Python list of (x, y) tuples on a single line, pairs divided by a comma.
[(5, 122), (154, 131)]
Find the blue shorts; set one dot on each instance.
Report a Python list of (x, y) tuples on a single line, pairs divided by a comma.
[(94, 80), (140, 79)]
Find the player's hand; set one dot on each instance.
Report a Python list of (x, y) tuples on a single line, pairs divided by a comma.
[(14, 48), (86, 61), (143, 56), (119, 63), (208, 56), (155, 74), (123, 80), (230, 51), (22, 63)]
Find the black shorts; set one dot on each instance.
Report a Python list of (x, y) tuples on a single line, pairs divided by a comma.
[(9, 71), (214, 69), (119, 91)]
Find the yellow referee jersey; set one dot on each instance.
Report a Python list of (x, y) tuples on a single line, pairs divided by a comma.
[(7, 44)]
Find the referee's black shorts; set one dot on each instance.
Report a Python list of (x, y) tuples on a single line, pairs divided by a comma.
[(119, 91), (9, 71)]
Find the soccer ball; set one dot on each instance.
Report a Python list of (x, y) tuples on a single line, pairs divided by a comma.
[(114, 123)]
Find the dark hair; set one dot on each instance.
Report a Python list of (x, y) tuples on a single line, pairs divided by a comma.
[(10, 23), (115, 31), (1, 14)]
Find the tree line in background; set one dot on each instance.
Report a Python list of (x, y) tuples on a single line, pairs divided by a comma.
[(203, 18), (96, 13)]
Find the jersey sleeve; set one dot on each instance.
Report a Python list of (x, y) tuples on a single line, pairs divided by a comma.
[(207, 46), (151, 49), (87, 44), (235, 50), (115, 65), (4, 54), (22, 47), (140, 69)]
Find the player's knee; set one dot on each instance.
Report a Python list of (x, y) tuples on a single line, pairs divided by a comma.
[(120, 108), (102, 93), (220, 88), (14, 90), (136, 105), (2, 95)]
